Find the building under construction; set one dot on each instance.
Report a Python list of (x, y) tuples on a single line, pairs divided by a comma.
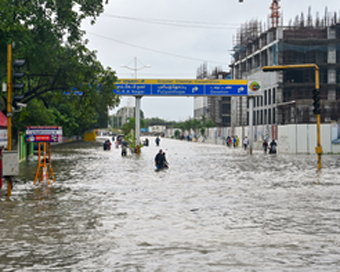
[(218, 109), (287, 95)]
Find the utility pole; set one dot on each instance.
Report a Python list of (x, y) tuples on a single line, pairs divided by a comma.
[(138, 103), (9, 110)]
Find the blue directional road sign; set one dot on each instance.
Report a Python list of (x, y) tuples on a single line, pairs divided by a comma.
[(181, 87), (133, 89), (224, 90)]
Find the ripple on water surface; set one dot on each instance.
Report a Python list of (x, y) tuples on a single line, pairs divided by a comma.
[(215, 209)]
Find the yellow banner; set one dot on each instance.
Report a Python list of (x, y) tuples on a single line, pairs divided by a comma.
[(183, 81)]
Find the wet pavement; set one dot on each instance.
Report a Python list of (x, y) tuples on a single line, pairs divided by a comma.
[(215, 209)]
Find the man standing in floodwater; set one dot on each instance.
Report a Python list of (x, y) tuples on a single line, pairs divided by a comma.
[(273, 146), (159, 160), (157, 141)]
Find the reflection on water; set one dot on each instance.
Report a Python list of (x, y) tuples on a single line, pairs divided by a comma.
[(215, 209)]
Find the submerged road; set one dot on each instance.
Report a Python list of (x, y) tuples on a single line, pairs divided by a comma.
[(215, 209)]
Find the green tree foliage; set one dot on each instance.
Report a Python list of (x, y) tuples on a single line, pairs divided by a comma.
[(177, 134), (47, 34), (129, 131), (131, 125), (154, 122), (197, 125)]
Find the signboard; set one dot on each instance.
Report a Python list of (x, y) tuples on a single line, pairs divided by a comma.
[(254, 88), (3, 137), (52, 134), (181, 87)]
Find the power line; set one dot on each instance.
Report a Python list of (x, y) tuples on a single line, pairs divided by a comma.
[(154, 50), (180, 23)]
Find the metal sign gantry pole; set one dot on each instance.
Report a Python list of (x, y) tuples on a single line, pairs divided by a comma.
[(137, 121), (251, 117)]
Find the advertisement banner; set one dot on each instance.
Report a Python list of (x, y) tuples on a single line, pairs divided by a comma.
[(52, 134)]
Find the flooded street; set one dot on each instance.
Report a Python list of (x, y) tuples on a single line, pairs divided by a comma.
[(215, 209)]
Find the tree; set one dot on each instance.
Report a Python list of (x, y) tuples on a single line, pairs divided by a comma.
[(177, 134), (48, 35), (129, 126), (155, 121)]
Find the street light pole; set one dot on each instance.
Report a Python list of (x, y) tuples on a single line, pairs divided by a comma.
[(138, 103)]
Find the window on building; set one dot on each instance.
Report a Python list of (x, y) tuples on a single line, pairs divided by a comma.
[(256, 61), (265, 97), (264, 58), (274, 119), (258, 118), (289, 56), (249, 64), (322, 56), (244, 66), (337, 55), (274, 98), (261, 117), (226, 120), (324, 76), (338, 75), (261, 100), (269, 117), (265, 117), (269, 97), (226, 109), (257, 101), (311, 56)]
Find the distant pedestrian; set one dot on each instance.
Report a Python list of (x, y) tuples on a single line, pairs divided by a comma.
[(273, 145), (237, 141), (265, 146), (146, 142), (157, 141), (107, 145), (234, 141), (230, 141), (124, 145), (227, 141), (245, 142)]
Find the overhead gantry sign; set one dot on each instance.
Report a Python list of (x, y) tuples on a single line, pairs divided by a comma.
[(184, 87), (181, 87)]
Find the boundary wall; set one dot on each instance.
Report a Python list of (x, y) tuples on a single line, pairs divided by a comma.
[(294, 139)]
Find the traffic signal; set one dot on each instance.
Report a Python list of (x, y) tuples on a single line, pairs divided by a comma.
[(17, 75), (16, 104), (316, 101)]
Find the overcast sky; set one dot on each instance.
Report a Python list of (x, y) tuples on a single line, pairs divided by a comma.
[(175, 37)]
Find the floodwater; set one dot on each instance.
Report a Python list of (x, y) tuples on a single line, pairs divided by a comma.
[(215, 209)]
